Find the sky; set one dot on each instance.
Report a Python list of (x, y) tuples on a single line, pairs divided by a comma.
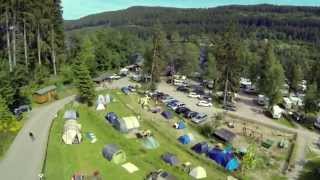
[(74, 9)]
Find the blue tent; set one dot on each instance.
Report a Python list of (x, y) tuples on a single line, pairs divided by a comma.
[(224, 158), (185, 139), (112, 117), (167, 114), (170, 159), (200, 148), (181, 125)]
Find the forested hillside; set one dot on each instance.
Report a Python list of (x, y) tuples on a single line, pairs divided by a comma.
[(264, 21)]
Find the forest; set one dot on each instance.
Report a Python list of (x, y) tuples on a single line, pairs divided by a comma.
[(263, 21), (268, 44)]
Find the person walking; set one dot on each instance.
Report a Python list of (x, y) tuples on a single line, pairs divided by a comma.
[(31, 135)]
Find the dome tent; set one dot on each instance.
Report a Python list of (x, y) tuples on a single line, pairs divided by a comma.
[(170, 159), (224, 158), (200, 148), (112, 153), (185, 139), (181, 124), (150, 143), (198, 173), (127, 124)]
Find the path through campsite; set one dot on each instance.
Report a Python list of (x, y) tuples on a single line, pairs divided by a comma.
[(25, 156)]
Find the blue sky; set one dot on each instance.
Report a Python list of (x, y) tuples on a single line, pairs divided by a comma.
[(74, 9)]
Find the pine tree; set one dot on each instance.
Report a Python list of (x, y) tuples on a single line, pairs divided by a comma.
[(271, 76), (311, 99), (227, 54), (297, 77)]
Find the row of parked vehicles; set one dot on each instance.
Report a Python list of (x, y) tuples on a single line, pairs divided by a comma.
[(179, 107)]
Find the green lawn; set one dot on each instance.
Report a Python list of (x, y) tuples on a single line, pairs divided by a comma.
[(5, 142), (286, 122), (64, 160)]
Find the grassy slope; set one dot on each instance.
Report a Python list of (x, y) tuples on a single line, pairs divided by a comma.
[(63, 161)]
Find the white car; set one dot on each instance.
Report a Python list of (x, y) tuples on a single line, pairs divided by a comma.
[(115, 77), (204, 104), (194, 95)]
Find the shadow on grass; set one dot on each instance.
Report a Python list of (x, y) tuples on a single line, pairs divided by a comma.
[(311, 170)]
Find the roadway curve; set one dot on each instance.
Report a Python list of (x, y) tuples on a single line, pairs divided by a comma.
[(25, 157)]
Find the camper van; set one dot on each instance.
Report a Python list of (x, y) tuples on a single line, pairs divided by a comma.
[(276, 112), (262, 100)]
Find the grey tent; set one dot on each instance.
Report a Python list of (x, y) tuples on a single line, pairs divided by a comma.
[(170, 159), (112, 153), (71, 114), (224, 135)]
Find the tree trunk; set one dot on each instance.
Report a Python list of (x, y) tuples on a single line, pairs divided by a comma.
[(39, 44), (25, 44), (53, 51), (226, 90), (8, 41), (14, 40)]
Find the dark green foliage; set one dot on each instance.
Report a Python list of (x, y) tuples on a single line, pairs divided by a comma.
[(85, 60), (264, 21), (228, 55), (84, 82), (311, 99), (271, 76)]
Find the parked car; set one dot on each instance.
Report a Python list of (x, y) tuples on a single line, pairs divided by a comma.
[(205, 98), (317, 123), (200, 118), (115, 77), (21, 109), (230, 107), (160, 174), (131, 88), (190, 114), (167, 99), (125, 90), (111, 117), (204, 104), (182, 109), (194, 95), (183, 89)]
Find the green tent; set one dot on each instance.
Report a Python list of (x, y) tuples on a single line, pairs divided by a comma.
[(150, 143), (112, 153)]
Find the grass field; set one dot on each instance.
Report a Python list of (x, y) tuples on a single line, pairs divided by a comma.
[(64, 160)]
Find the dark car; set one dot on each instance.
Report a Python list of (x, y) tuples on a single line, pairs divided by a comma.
[(200, 118), (297, 117), (111, 117), (21, 109), (230, 107), (181, 110), (190, 114), (183, 89), (205, 98)]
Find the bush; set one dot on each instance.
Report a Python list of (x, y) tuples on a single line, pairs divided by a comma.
[(206, 130)]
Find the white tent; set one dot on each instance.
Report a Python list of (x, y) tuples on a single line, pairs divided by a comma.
[(101, 100), (108, 99), (72, 132), (100, 107), (198, 173)]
